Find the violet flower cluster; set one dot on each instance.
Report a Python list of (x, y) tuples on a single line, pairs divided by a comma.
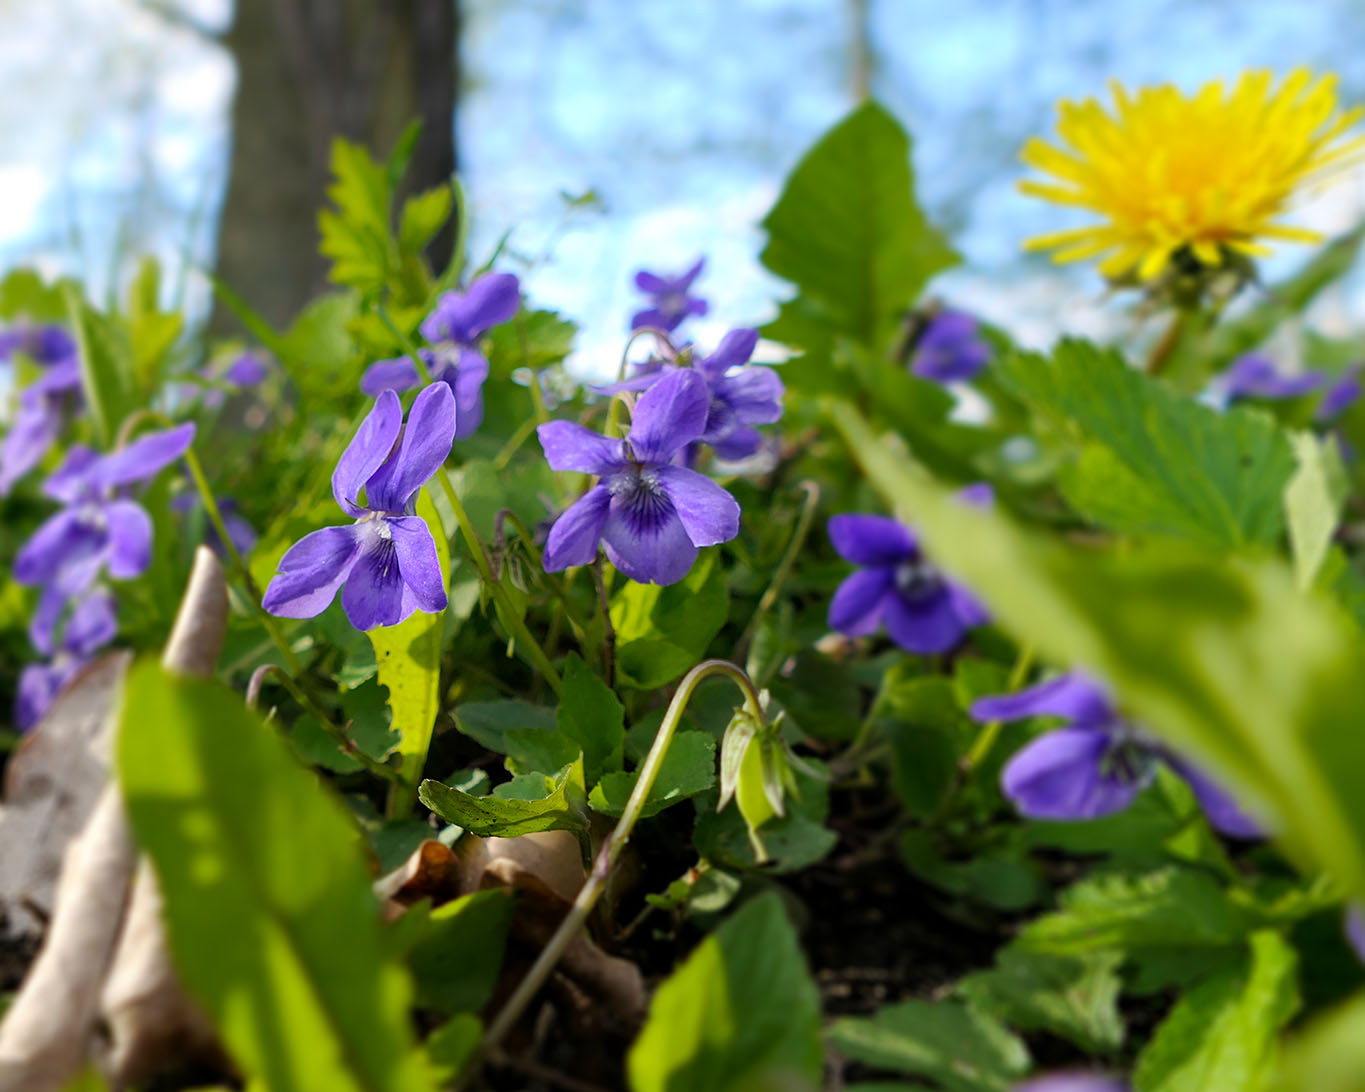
[(650, 514), (101, 530), (1097, 762), (669, 299), (89, 626), (385, 563), (740, 395), (898, 587), (1255, 376), (950, 349), (44, 403), (453, 330)]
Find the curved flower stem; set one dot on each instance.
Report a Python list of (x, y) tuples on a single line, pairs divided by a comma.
[(981, 747), (610, 850), (661, 338), (343, 739), (798, 539), (525, 642), (210, 504)]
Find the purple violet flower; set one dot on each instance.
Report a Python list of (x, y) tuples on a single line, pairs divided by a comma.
[(44, 344), (669, 302), (950, 349), (923, 611), (454, 328), (741, 394), (1073, 1082), (43, 407), (1341, 395), (650, 515), (1354, 928), (100, 527), (1255, 376), (1097, 762), (90, 626), (387, 558)]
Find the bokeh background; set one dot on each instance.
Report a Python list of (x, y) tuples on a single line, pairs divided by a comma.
[(594, 137)]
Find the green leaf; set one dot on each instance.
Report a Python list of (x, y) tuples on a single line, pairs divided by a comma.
[(961, 1049), (1075, 997), (152, 332), (456, 962), (272, 924), (1329, 1054), (1222, 1034), (688, 768), (1312, 502), (423, 216), (924, 725), (356, 235), (451, 1046), (1226, 659), (408, 657), (590, 714), (1173, 906), (106, 361), (525, 733), (848, 233), (1155, 463), (24, 295), (741, 1010), (318, 350), (662, 632), (560, 807)]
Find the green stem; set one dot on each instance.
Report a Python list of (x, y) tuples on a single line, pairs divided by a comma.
[(662, 339), (513, 445), (343, 740), (991, 732), (784, 569), (611, 849), (526, 644)]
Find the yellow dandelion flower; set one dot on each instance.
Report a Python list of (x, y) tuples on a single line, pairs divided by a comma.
[(1209, 174)]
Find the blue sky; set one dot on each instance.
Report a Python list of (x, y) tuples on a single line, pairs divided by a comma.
[(682, 117)]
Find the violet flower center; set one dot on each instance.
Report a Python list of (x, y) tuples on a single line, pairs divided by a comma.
[(917, 580)]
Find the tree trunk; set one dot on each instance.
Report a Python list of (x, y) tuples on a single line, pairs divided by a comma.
[(307, 71)]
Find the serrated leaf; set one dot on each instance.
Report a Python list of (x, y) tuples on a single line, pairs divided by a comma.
[(1196, 648), (961, 1049), (272, 924), (527, 734), (423, 216), (1075, 997), (408, 661), (848, 233), (1312, 502), (1222, 1034), (1173, 906), (1154, 462), (689, 767), (741, 1010), (561, 808), (590, 714), (663, 631)]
